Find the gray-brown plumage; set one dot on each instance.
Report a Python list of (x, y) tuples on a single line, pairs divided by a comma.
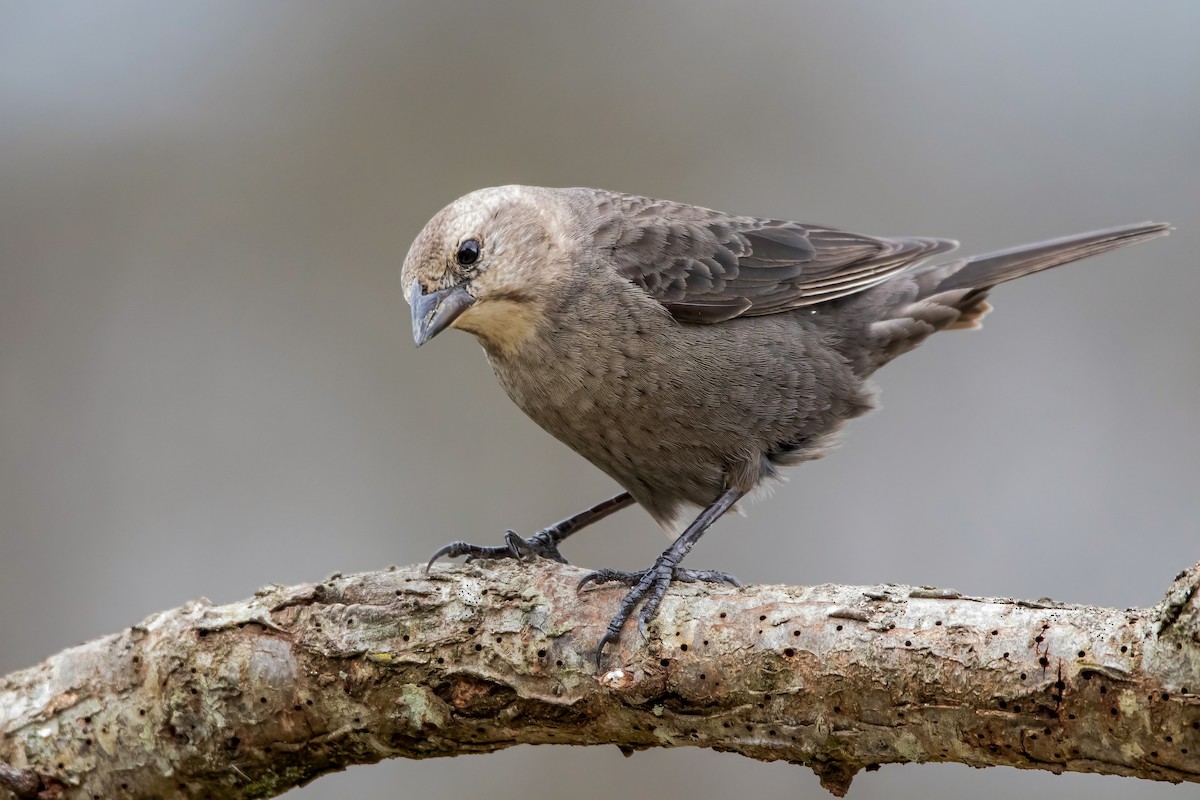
[(686, 352)]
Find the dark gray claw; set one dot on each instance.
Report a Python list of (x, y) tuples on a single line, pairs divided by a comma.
[(540, 545), (649, 588)]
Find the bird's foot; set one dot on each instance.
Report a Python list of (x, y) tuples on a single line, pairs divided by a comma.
[(648, 588), (541, 545)]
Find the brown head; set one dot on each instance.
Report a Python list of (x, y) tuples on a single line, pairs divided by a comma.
[(487, 262)]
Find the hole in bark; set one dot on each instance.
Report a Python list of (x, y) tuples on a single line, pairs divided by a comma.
[(1081, 654), (1046, 731), (405, 637), (1016, 709), (1060, 685), (234, 742), (1154, 754), (1070, 716), (478, 647), (1166, 696), (839, 627), (795, 633), (837, 709), (558, 663), (683, 647), (908, 642), (441, 660), (1039, 638), (1103, 690), (1124, 648), (666, 662), (541, 653), (723, 615), (939, 622), (702, 676), (1169, 739), (1003, 703), (789, 652), (1045, 662), (1086, 674), (350, 622), (1112, 711), (1023, 676), (470, 631), (141, 712), (308, 702), (995, 633), (762, 617)]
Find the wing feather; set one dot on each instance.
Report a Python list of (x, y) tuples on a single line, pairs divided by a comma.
[(705, 266)]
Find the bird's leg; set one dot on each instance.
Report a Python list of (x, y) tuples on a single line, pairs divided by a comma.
[(650, 585), (544, 543)]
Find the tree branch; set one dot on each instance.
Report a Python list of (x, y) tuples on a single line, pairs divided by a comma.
[(253, 698)]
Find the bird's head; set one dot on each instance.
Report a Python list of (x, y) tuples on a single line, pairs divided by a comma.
[(486, 264)]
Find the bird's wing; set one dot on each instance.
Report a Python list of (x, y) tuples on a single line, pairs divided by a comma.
[(706, 267)]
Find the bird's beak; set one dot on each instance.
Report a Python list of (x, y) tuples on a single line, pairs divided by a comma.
[(432, 313)]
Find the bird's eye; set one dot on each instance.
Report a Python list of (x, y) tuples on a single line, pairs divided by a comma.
[(468, 252)]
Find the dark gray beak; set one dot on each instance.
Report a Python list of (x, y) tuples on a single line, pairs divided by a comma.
[(432, 313)]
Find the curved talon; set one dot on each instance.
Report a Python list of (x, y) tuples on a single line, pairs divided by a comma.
[(539, 545), (648, 588), (453, 550)]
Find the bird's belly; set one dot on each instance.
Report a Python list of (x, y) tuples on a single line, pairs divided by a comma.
[(627, 425), (667, 422)]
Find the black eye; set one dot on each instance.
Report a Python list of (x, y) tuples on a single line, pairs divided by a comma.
[(468, 252)]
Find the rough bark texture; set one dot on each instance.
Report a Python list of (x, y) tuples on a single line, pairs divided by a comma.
[(253, 698)]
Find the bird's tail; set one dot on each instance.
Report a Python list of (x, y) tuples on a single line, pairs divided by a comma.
[(954, 295), (990, 269)]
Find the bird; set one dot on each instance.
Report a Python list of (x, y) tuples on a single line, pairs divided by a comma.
[(688, 353)]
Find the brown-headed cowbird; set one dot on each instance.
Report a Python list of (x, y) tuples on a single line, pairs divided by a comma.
[(686, 352)]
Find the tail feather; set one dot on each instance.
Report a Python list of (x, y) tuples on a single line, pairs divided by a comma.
[(990, 269), (954, 295)]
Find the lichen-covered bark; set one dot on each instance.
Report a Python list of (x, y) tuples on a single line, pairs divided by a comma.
[(253, 698)]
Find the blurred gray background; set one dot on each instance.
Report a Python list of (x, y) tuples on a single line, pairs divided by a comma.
[(207, 381)]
